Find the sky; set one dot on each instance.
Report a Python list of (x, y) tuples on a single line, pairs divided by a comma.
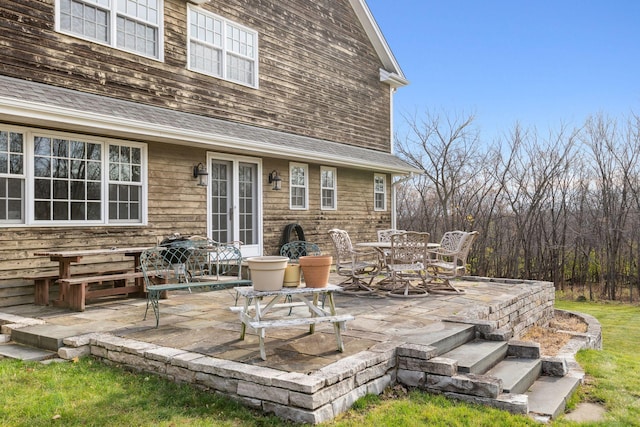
[(540, 63)]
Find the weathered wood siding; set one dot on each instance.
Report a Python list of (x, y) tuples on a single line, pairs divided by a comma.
[(319, 77), (319, 74), (178, 204)]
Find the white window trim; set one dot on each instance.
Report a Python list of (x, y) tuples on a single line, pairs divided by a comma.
[(256, 74), (384, 192), (113, 43), (305, 186), (334, 188), (28, 176)]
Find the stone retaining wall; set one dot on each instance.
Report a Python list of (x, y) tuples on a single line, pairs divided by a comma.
[(312, 398), (533, 307)]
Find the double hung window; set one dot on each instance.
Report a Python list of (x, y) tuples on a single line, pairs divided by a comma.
[(221, 48), (380, 192), (132, 25), (59, 179), (328, 185), (299, 185)]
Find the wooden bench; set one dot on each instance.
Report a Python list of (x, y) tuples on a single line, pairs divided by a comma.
[(154, 292), (43, 280), (77, 288)]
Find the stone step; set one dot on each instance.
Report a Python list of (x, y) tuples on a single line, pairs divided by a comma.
[(18, 351), (548, 395), (449, 336), (517, 374), (49, 337), (478, 356)]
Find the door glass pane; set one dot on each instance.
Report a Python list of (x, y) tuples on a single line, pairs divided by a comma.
[(221, 217), (248, 193)]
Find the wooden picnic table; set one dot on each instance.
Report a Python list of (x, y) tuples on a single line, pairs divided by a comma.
[(67, 258)]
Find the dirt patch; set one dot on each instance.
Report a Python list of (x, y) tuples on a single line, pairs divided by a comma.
[(557, 334)]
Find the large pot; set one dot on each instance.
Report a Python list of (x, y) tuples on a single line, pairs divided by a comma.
[(267, 272), (315, 270)]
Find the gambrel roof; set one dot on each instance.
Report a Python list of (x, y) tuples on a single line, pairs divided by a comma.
[(37, 104)]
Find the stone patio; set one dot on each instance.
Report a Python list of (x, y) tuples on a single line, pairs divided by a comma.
[(304, 378)]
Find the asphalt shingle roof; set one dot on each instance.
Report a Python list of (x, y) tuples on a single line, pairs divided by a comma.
[(65, 105)]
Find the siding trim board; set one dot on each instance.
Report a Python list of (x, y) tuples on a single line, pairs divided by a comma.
[(37, 104)]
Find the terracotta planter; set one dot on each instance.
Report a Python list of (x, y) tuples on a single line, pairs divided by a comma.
[(267, 272), (315, 270), (292, 276)]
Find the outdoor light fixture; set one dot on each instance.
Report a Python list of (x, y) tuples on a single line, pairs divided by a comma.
[(200, 172), (274, 178)]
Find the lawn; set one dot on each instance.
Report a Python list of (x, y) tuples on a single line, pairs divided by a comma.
[(90, 393)]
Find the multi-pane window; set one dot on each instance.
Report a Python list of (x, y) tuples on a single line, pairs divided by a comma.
[(328, 186), (298, 186), (11, 176), (67, 183), (125, 183), (222, 48), (380, 192), (133, 25), (67, 179)]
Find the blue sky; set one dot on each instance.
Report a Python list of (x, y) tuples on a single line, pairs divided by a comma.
[(541, 63)]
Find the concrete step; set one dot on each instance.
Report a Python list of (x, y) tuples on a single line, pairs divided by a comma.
[(476, 357), (517, 374), (17, 351), (548, 395), (449, 336)]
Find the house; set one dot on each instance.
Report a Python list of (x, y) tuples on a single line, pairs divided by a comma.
[(124, 122)]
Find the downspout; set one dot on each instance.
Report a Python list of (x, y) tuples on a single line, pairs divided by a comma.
[(394, 184)]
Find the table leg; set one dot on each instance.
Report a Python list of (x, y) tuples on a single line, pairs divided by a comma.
[(263, 352), (243, 316)]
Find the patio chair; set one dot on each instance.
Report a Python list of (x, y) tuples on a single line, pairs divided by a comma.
[(406, 263), (449, 260), (359, 267), (385, 236)]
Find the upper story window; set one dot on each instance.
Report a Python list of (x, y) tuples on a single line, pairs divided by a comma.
[(49, 178), (132, 25), (328, 188), (380, 192), (299, 185), (221, 48)]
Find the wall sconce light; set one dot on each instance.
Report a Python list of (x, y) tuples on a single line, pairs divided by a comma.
[(200, 172), (274, 178)]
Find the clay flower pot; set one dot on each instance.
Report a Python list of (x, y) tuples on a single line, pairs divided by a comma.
[(292, 276), (267, 272), (315, 270)]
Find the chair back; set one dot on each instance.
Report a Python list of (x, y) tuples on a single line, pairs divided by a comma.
[(342, 244), (385, 235), (409, 247), (164, 264), (297, 248), (458, 243)]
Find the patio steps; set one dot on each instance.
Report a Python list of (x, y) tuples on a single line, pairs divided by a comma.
[(506, 375)]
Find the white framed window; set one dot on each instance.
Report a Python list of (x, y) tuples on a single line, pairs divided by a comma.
[(380, 192), (222, 48), (131, 25), (53, 178), (299, 186), (328, 188)]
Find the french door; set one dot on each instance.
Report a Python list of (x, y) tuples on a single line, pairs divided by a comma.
[(235, 208)]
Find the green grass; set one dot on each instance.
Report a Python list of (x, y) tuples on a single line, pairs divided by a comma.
[(613, 373), (90, 393)]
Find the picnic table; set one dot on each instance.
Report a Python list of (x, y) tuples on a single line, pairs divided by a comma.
[(74, 288), (254, 313)]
